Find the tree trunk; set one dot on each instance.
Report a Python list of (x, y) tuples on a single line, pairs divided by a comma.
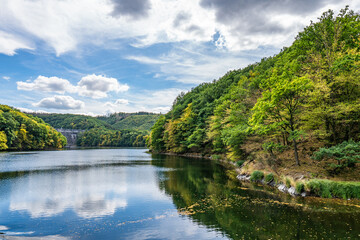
[(296, 153)]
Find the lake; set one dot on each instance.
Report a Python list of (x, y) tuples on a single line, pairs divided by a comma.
[(130, 194)]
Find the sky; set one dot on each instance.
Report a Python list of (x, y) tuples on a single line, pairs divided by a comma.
[(97, 57)]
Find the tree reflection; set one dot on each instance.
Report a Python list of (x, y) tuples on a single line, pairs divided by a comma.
[(210, 195)]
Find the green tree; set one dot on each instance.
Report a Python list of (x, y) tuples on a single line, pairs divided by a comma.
[(3, 141), (346, 154), (277, 111)]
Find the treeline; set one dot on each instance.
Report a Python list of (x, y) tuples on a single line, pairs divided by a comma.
[(114, 130), (308, 93), (20, 131), (72, 121), (142, 121), (100, 137)]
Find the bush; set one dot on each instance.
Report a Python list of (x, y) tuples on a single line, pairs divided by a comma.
[(272, 147), (215, 157), (300, 187), (257, 176), (288, 183), (329, 189), (269, 178), (345, 154), (240, 163)]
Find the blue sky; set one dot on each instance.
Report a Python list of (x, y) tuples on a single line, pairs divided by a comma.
[(101, 56)]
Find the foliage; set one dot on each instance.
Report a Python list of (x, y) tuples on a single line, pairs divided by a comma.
[(215, 157), (346, 154), (71, 121), (240, 163), (269, 178), (3, 141), (115, 130), (256, 176), (330, 189), (101, 137), (20, 131), (272, 147), (288, 183), (142, 121), (156, 135), (299, 187)]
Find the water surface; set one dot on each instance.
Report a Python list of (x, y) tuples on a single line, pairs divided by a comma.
[(130, 194)]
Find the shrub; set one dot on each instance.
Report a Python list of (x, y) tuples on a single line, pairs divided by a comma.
[(215, 157), (240, 163), (300, 187), (257, 176), (329, 189), (272, 147), (345, 154), (288, 183), (269, 178)]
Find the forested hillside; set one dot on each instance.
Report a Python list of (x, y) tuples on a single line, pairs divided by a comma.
[(20, 131), (140, 121), (276, 113), (115, 130), (72, 121)]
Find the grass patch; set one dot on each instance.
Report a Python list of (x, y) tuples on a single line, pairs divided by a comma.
[(330, 189), (300, 187), (269, 178), (257, 176), (288, 183)]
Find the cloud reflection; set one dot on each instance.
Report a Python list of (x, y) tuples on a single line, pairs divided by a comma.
[(90, 193)]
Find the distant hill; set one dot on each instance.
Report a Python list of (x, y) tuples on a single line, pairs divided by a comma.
[(115, 130), (72, 121), (142, 121)]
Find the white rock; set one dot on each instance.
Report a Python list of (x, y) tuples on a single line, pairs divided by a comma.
[(292, 191), (282, 188)]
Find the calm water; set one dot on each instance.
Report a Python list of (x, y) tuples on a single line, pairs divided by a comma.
[(129, 194)]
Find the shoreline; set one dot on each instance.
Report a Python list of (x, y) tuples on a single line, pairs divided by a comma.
[(321, 188)]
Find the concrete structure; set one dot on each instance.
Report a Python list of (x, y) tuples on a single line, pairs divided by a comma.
[(71, 135)]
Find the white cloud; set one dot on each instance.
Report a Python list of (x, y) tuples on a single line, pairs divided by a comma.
[(97, 86), (9, 43), (194, 64), (94, 86), (147, 101), (122, 101), (68, 190), (146, 60), (60, 102), (47, 84), (6, 78), (28, 110), (66, 25)]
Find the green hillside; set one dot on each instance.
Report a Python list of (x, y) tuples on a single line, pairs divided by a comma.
[(20, 131), (142, 121), (72, 121), (139, 122), (275, 114), (115, 130)]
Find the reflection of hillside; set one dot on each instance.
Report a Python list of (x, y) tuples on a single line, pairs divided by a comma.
[(91, 192), (205, 192)]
